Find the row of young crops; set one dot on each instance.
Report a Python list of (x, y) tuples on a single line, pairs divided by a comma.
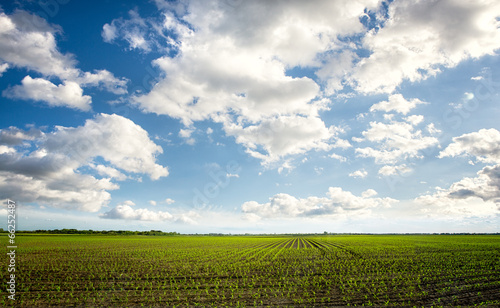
[(256, 271)]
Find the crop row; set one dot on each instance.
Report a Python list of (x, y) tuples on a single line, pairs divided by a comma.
[(256, 271)]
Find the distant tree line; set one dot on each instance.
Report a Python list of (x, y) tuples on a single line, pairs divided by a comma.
[(103, 232)]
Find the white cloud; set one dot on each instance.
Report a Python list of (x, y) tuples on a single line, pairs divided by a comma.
[(336, 67), (139, 33), (483, 144), (116, 139), (54, 173), (431, 129), (369, 193), (469, 197), (359, 174), (278, 137), (28, 41), (338, 157), (338, 203), (185, 133), (169, 201), (109, 172), (393, 170), (59, 188), (152, 202), (397, 103), (126, 211), (103, 79), (5, 149), (128, 202), (15, 136), (396, 141), (69, 94), (109, 32), (232, 62), (123, 211), (421, 37), (190, 218), (3, 68), (414, 119), (33, 45)]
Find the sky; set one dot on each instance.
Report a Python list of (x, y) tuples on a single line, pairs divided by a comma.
[(236, 116)]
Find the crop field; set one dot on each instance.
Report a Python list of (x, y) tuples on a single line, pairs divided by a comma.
[(255, 271)]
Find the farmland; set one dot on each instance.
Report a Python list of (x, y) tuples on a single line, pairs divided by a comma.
[(245, 271)]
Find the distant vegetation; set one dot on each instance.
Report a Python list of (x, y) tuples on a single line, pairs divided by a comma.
[(93, 232)]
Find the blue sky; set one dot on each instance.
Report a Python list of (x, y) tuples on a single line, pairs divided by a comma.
[(251, 116)]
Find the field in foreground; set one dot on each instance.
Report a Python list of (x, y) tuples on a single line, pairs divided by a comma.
[(105, 271)]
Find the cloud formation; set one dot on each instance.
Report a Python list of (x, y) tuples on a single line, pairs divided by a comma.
[(54, 172), (362, 173), (231, 68), (28, 41), (397, 103), (126, 211), (396, 141), (275, 138), (419, 38), (232, 61), (337, 203), (139, 33), (469, 197), (69, 94), (484, 145)]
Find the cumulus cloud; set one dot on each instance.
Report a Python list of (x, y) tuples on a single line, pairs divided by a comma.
[(484, 145), (125, 211), (33, 45), (275, 138), (28, 41), (421, 37), (393, 170), (139, 33), (69, 94), (337, 203), (57, 188), (108, 171), (232, 64), (169, 201), (359, 174), (54, 172), (15, 136), (338, 157), (116, 139), (232, 61), (103, 79), (469, 197), (397, 103), (396, 141), (3, 68)]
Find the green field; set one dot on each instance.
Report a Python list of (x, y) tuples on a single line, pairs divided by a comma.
[(246, 271)]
